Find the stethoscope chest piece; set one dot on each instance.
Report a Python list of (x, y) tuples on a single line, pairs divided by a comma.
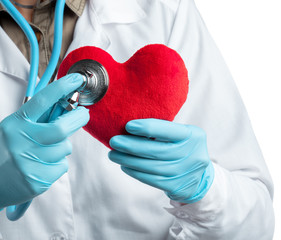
[(96, 81)]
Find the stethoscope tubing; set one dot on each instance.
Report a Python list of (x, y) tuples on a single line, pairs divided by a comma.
[(15, 212), (34, 48), (58, 33)]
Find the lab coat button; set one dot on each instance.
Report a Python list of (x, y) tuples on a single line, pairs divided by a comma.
[(58, 236), (181, 214)]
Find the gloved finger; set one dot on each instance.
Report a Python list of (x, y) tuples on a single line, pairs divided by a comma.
[(46, 98), (148, 148), (162, 130), (45, 117), (167, 168), (47, 175), (54, 112), (61, 128), (156, 181), (183, 186), (57, 111), (49, 153)]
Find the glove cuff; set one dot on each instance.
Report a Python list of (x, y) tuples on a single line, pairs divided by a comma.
[(203, 188)]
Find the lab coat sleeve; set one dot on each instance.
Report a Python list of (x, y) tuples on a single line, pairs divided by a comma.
[(239, 202)]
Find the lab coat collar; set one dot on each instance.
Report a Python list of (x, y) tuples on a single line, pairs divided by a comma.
[(117, 11), (96, 14), (12, 60), (110, 11)]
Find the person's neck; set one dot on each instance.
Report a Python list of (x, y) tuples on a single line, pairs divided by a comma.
[(26, 13)]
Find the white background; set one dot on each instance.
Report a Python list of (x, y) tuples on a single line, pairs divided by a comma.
[(248, 34)]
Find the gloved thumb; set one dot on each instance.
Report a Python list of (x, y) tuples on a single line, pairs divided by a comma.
[(46, 98)]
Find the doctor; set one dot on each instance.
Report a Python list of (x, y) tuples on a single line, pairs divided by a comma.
[(208, 180)]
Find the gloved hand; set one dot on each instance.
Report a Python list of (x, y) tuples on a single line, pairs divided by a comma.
[(166, 155), (32, 153)]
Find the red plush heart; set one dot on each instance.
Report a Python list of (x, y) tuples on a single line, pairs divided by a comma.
[(153, 83)]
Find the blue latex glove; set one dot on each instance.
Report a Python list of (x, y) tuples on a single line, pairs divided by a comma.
[(166, 155), (33, 153)]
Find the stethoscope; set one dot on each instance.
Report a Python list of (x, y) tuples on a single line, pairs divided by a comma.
[(92, 90)]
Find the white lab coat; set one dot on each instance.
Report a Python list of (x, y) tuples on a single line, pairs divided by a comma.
[(96, 200)]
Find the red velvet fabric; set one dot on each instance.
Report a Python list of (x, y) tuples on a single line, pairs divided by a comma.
[(153, 83)]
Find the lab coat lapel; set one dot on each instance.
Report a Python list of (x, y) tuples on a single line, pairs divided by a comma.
[(89, 31), (90, 27), (12, 61)]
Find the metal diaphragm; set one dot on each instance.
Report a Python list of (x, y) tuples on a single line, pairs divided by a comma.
[(96, 81)]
